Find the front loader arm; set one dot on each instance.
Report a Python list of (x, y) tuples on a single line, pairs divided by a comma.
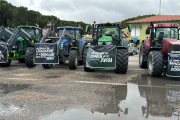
[(19, 32), (5, 32)]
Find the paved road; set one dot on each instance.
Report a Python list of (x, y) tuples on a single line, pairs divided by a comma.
[(62, 94)]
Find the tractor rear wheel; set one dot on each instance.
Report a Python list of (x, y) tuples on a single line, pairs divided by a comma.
[(73, 59), (122, 61), (47, 66), (30, 57), (85, 55), (155, 63), (6, 64), (142, 55)]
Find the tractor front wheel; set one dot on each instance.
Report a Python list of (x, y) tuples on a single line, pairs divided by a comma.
[(6, 64), (73, 59), (30, 57), (47, 66), (142, 55), (155, 63), (84, 59), (122, 61)]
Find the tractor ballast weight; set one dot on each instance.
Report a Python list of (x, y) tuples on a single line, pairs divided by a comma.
[(161, 50), (67, 46), (16, 46), (108, 50)]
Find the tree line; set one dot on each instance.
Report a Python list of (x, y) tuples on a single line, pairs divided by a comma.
[(13, 16)]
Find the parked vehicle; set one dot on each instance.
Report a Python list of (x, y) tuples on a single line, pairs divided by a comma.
[(132, 49)]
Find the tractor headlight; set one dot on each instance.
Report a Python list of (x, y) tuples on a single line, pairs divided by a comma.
[(175, 51)]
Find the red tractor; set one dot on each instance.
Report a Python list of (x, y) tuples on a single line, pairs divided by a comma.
[(161, 50)]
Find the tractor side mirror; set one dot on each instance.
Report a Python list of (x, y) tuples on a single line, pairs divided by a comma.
[(129, 27), (147, 31)]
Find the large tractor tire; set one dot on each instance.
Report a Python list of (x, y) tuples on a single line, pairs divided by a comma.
[(142, 56), (47, 66), (122, 61), (85, 55), (73, 59), (82, 61), (30, 57), (6, 64), (155, 63)]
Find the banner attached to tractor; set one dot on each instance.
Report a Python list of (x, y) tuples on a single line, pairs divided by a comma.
[(173, 65), (46, 54), (3, 54), (101, 57)]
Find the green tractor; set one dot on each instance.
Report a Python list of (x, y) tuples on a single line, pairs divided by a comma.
[(108, 50), (20, 43)]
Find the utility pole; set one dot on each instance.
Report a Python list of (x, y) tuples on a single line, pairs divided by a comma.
[(160, 8)]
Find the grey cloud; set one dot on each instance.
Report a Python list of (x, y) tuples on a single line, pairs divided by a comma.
[(113, 10)]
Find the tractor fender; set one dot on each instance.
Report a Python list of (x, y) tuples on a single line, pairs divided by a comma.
[(73, 48), (154, 48)]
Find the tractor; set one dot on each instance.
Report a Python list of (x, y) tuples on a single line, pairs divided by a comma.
[(162, 50), (107, 51), (68, 45), (19, 44)]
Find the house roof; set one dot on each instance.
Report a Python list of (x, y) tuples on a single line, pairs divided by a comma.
[(157, 18)]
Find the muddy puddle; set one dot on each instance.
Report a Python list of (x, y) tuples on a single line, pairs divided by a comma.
[(8, 88), (142, 98)]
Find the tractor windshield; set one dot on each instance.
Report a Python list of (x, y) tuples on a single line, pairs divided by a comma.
[(30, 31), (71, 32), (167, 33), (112, 31)]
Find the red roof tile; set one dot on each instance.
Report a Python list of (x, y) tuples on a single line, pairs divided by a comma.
[(157, 18)]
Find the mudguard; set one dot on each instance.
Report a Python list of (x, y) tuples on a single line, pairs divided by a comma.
[(173, 69)]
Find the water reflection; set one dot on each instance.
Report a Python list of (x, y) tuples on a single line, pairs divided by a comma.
[(112, 98), (162, 96)]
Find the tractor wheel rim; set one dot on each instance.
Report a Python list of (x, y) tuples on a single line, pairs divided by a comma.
[(150, 65)]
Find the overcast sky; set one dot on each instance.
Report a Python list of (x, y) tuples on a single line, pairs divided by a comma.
[(99, 10)]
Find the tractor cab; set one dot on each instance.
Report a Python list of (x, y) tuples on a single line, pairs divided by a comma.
[(74, 32), (34, 31), (162, 31), (109, 34)]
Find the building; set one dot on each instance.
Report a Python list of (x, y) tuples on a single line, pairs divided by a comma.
[(139, 26)]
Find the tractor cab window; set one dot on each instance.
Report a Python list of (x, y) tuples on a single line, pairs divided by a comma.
[(167, 33), (30, 31), (78, 35), (71, 33), (38, 34), (112, 31)]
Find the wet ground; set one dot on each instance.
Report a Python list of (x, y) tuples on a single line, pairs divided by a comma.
[(62, 94)]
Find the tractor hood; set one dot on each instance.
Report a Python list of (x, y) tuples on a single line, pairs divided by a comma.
[(105, 39), (171, 41)]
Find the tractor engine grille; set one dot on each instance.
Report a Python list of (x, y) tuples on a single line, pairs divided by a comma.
[(174, 48)]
